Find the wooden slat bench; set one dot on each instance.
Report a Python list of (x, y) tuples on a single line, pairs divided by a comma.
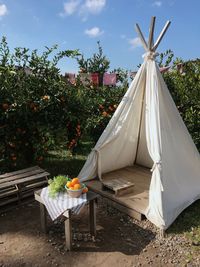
[(20, 184)]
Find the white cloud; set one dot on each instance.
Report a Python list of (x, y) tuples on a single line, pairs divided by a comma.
[(94, 32), (70, 7), (3, 10), (135, 42), (94, 6), (157, 3), (83, 8)]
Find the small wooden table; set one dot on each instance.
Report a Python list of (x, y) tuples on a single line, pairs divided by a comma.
[(91, 199)]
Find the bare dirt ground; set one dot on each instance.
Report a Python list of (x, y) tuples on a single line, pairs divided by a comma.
[(121, 241)]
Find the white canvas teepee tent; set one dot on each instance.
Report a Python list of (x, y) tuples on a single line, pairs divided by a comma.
[(147, 130)]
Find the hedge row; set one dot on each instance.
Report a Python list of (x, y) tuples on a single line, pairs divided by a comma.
[(38, 107)]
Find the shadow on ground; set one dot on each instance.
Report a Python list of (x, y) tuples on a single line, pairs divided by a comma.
[(115, 232)]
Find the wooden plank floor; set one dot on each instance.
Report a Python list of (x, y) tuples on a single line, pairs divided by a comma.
[(138, 199)]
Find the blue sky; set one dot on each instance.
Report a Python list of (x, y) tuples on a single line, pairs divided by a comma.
[(79, 24)]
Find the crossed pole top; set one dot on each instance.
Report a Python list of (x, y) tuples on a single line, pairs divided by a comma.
[(151, 46)]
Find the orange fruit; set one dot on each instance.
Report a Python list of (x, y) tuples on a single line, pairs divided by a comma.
[(74, 181), (77, 186), (105, 114), (46, 97), (71, 188), (85, 190), (68, 184)]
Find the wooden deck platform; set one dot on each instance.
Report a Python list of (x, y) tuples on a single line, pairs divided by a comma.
[(135, 203)]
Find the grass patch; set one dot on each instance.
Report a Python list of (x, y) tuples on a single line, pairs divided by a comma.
[(188, 220), (62, 161), (188, 223)]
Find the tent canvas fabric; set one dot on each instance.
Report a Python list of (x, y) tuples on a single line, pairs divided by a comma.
[(146, 129)]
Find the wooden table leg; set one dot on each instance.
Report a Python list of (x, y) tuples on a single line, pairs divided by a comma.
[(68, 231), (92, 207), (43, 218)]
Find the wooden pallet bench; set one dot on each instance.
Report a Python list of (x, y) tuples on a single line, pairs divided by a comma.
[(20, 184)]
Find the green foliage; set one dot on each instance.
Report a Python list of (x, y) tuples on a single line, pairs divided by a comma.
[(102, 103), (57, 184), (98, 63), (122, 77), (185, 89), (183, 81), (165, 58), (33, 104), (39, 109)]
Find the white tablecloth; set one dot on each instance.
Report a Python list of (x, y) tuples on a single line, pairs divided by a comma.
[(62, 202)]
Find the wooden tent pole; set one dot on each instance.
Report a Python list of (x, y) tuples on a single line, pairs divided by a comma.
[(161, 35), (137, 28), (151, 33), (140, 123)]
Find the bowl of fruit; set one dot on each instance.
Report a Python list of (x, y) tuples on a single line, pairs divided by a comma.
[(75, 188)]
